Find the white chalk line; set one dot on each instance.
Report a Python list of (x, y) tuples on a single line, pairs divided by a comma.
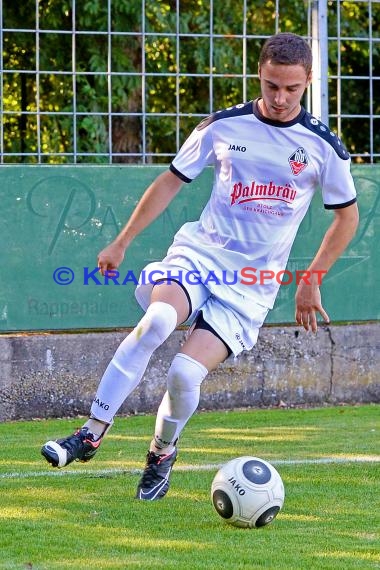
[(205, 467)]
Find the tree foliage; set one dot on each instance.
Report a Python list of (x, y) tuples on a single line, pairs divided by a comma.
[(79, 88)]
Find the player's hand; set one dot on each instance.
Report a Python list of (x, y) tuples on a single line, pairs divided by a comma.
[(308, 304), (110, 257)]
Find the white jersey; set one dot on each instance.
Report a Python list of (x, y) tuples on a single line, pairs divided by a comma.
[(265, 175)]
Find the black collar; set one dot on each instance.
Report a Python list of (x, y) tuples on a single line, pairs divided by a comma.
[(281, 124)]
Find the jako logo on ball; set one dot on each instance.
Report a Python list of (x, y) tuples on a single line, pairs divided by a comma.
[(248, 492)]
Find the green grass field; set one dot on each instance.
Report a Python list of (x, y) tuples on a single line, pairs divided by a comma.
[(85, 516)]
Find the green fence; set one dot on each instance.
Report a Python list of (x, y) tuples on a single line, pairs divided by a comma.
[(60, 217)]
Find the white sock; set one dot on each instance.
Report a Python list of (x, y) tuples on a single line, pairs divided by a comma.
[(180, 401), (97, 428), (129, 363)]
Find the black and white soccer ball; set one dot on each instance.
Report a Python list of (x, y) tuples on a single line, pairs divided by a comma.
[(248, 492)]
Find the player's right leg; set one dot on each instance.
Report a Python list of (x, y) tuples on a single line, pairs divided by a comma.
[(122, 375), (80, 446)]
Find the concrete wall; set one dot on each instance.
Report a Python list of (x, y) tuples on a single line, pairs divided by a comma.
[(56, 375)]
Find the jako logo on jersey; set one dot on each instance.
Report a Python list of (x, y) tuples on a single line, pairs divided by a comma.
[(298, 161), (254, 191), (237, 147)]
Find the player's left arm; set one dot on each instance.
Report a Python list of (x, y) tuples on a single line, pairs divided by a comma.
[(336, 239)]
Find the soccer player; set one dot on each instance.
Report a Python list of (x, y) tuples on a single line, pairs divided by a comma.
[(269, 157)]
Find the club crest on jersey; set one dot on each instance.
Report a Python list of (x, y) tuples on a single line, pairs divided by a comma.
[(298, 161)]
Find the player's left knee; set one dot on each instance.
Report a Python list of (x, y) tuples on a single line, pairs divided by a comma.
[(185, 374)]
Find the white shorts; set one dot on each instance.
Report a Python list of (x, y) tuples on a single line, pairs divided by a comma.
[(225, 314)]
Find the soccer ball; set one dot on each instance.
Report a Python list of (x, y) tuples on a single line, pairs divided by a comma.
[(247, 492)]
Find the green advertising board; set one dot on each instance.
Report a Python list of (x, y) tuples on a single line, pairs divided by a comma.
[(57, 218)]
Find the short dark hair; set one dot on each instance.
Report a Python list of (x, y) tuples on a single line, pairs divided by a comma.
[(287, 49)]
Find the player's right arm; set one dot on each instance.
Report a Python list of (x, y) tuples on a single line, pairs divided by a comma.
[(154, 201), (196, 153)]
